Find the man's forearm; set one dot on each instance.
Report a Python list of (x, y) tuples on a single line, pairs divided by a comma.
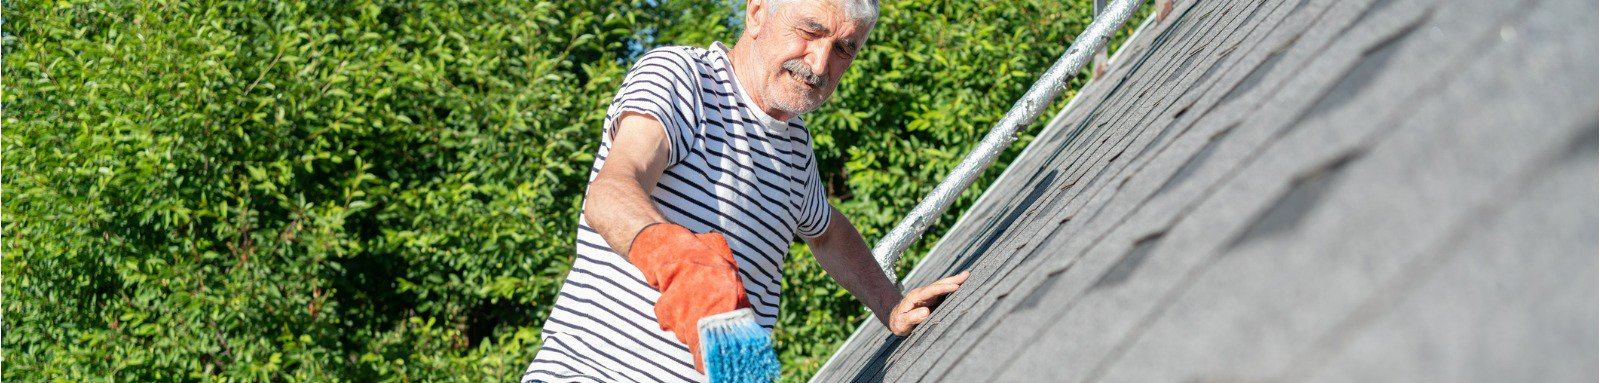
[(618, 209), (844, 255)]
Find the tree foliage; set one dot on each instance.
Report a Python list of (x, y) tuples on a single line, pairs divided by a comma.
[(387, 190)]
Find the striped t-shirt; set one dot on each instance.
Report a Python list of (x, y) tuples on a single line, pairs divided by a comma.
[(731, 169)]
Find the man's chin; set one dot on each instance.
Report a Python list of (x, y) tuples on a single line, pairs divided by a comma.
[(797, 108), (803, 109)]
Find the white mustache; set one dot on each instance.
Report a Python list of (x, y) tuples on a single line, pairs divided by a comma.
[(802, 71)]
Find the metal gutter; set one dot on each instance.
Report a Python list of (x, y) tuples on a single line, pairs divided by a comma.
[(1023, 113), (1098, 34)]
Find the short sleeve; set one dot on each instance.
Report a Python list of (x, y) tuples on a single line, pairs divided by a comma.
[(660, 85), (815, 212)]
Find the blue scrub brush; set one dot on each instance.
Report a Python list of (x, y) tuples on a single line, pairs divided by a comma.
[(737, 349)]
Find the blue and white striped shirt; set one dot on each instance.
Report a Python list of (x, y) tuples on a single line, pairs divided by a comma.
[(731, 169)]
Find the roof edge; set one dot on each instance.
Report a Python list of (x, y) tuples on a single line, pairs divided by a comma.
[(962, 219)]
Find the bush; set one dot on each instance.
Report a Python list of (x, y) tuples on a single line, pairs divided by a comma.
[(387, 190)]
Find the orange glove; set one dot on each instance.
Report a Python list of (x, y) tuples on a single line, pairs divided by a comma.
[(696, 275)]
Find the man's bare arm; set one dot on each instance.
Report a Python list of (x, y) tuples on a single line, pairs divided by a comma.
[(618, 202), (844, 254)]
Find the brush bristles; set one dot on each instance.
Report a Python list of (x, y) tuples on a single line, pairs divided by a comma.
[(737, 349)]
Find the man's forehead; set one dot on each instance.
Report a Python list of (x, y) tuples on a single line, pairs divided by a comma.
[(827, 18)]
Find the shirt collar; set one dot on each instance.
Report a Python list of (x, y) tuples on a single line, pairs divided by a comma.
[(744, 94)]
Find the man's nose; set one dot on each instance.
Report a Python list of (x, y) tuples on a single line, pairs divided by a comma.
[(818, 59)]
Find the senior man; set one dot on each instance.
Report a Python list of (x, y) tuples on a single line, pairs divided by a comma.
[(704, 176)]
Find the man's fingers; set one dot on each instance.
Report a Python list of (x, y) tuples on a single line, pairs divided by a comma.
[(922, 300), (940, 289), (917, 315), (909, 320), (953, 280), (930, 295), (933, 294), (956, 279)]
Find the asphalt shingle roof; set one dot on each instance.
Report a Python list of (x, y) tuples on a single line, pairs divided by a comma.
[(1313, 190)]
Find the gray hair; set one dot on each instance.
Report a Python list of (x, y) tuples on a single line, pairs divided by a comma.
[(860, 11)]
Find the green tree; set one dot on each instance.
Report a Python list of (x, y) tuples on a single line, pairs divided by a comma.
[(386, 190)]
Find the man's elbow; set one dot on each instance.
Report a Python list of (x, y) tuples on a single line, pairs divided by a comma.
[(824, 241)]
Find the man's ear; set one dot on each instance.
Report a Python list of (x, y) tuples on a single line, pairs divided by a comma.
[(755, 17)]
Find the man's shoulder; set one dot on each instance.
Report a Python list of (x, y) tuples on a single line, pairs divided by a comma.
[(679, 50), (680, 59)]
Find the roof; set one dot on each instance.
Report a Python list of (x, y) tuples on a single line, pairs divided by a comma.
[(1306, 190)]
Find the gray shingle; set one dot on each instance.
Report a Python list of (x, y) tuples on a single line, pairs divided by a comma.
[(1289, 190)]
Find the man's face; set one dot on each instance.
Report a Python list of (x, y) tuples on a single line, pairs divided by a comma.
[(802, 50)]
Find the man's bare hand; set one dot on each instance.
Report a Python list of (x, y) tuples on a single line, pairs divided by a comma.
[(919, 303)]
